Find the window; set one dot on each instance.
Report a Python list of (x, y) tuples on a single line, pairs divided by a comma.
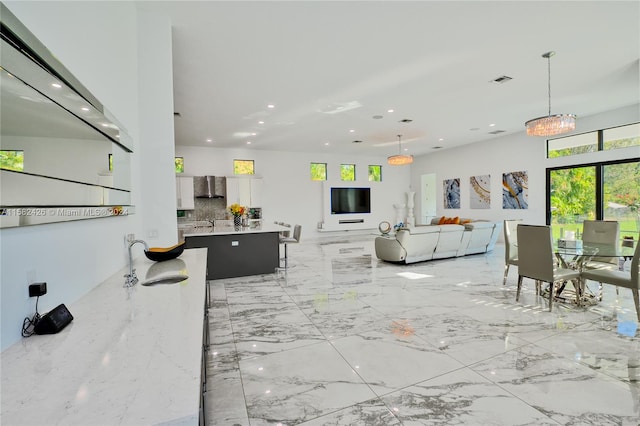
[(605, 190), (179, 165), (348, 172), (621, 137), (601, 140), (572, 145), (110, 162), (243, 167), (318, 171), (375, 173), (12, 160)]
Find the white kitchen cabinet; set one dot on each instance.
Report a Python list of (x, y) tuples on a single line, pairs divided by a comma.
[(184, 193), (244, 191)]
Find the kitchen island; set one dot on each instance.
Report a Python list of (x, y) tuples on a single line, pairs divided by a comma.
[(131, 356), (238, 252)]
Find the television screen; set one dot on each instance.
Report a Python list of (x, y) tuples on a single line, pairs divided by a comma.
[(350, 200)]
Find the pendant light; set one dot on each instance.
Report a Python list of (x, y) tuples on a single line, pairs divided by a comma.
[(399, 159), (550, 125)]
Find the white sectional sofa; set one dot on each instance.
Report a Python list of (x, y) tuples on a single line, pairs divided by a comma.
[(427, 242)]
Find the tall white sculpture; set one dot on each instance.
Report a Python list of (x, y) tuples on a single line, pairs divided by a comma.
[(411, 220)]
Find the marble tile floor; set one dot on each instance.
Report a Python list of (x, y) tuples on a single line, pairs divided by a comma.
[(341, 338)]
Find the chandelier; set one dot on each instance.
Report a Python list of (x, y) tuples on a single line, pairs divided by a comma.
[(550, 125), (399, 159)]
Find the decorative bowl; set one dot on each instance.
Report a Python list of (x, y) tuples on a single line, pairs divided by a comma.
[(160, 254)]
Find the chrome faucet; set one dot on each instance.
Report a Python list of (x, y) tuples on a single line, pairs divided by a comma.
[(131, 278)]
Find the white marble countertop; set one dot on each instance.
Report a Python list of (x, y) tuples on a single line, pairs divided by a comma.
[(131, 356), (229, 230)]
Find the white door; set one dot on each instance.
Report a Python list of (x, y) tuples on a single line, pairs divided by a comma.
[(428, 197)]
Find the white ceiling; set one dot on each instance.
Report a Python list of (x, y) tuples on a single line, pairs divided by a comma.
[(430, 61)]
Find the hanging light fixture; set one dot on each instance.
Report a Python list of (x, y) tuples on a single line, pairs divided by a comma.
[(399, 159), (550, 125)]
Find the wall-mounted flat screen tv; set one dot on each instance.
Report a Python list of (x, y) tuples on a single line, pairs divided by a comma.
[(350, 200)]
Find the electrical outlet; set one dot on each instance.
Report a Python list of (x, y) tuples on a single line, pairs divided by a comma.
[(130, 238), (37, 289)]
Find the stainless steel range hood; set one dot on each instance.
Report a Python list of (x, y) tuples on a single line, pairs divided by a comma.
[(210, 186)]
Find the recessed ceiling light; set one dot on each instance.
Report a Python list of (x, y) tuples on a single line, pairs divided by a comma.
[(491, 125), (351, 131), (209, 140), (271, 106), (248, 142), (85, 108), (260, 122), (440, 139), (390, 110), (56, 85), (253, 134), (326, 144)]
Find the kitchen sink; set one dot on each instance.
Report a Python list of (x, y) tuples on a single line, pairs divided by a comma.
[(168, 279)]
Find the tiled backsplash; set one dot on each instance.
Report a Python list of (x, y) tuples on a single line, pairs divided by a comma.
[(206, 208)]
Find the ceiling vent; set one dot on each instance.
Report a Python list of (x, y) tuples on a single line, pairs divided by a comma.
[(357, 142), (177, 114), (437, 147), (405, 120), (497, 132), (501, 79)]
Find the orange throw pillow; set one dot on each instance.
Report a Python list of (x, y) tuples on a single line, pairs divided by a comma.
[(456, 221), (442, 220)]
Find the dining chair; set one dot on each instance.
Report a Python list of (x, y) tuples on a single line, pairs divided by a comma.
[(601, 232), (510, 246), (297, 231), (536, 260), (619, 278)]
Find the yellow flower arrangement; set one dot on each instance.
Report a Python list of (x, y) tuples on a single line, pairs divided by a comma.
[(237, 210)]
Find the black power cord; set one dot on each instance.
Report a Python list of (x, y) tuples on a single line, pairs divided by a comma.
[(29, 324)]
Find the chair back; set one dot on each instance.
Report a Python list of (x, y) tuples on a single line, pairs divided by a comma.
[(635, 267), (297, 230), (601, 232), (535, 252), (510, 239)]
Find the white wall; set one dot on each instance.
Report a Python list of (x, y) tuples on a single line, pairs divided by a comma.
[(103, 44), (289, 195), (512, 153)]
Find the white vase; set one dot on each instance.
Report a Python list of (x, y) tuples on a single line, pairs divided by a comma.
[(399, 213), (411, 220)]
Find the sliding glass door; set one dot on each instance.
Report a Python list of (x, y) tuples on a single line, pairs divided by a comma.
[(601, 191)]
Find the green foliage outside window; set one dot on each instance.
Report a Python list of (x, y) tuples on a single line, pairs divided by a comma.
[(179, 165), (12, 160), (318, 171), (243, 167), (110, 162), (348, 172), (375, 173)]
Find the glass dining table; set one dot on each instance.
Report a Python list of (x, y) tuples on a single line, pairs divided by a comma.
[(577, 258)]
